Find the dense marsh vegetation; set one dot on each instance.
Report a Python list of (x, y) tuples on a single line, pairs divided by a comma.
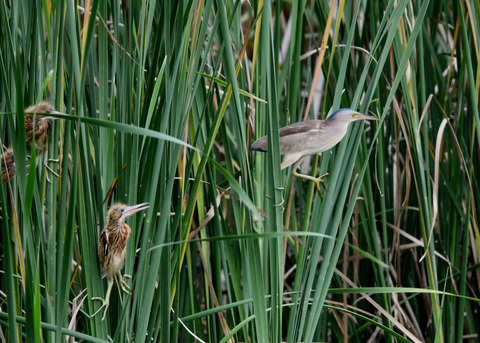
[(163, 99)]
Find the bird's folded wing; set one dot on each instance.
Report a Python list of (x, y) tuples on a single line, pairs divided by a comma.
[(300, 127)]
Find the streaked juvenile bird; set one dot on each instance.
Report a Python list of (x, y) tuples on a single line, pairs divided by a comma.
[(311, 137), (112, 248), (37, 130), (9, 168), (8, 165)]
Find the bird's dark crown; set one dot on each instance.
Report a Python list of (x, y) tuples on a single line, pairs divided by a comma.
[(338, 111)]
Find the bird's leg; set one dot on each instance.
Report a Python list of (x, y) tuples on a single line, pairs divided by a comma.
[(47, 167), (105, 302), (126, 288), (56, 160), (317, 180), (50, 170), (281, 205), (47, 161)]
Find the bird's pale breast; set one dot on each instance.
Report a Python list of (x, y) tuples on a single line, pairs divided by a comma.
[(112, 248)]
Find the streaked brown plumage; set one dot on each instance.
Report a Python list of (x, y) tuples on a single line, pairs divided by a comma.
[(38, 128), (9, 168), (8, 165), (112, 248)]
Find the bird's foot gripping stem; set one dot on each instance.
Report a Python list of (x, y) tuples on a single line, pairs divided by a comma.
[(126, 288), (47, 167), (317, 181), (105, 302), (50, 169)]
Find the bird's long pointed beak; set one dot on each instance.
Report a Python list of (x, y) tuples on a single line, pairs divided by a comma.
[(360, 116), (50, 112), (39, 112), (135, 208), (55, 112), (45, 116), (49, 118)]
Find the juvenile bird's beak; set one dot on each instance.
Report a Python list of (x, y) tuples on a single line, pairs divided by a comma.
[(45, 115), (43, 110), (133, 209), (50, 112), (53, 112), (360, 116)]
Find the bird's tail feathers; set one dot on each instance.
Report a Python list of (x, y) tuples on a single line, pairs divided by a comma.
[(259, 145), (253, 148)]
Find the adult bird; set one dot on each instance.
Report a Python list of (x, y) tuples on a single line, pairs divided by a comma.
[(37, 128), (311, 137), (112, 248)]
